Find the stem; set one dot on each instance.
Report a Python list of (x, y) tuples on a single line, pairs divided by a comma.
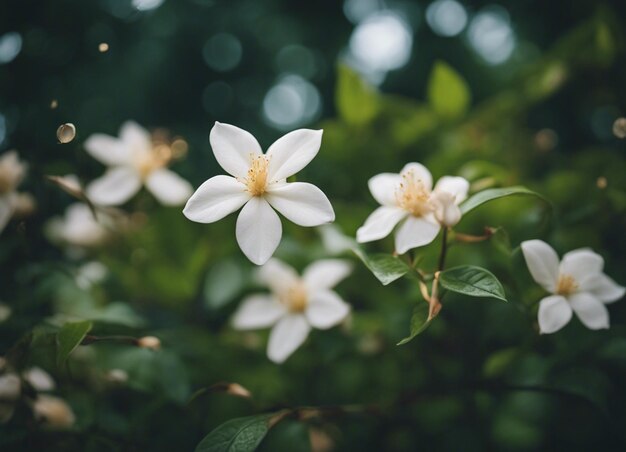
[(444, 249)]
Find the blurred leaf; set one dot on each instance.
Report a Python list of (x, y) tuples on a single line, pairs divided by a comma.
[(243, 434), (357, 102), (69, 337), (495, 193), (419, 322), (385, 267), (473, 281), (502, 241), (223, 282), (447, 91), (498, 362)]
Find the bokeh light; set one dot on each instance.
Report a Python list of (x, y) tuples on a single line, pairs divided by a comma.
[(357, 10), (222, 52), (145, 5), (446, 17), (292, 102), (10, 46), (491, 36)]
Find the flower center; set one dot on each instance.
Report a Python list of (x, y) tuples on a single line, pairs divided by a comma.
[(256, 179), (566, 285), (413, 196), (158, 156), (295, 298)]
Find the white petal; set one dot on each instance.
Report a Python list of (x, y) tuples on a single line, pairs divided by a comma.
[(292, 152), (415, 232), (257, 311), (278, 276), (107, 149), (379, 224), (383, 188), (583, 265), (233, 148), (542, 262), (456, 186), (419, 173), (286, 336), (447, 211), (591, 311), (301, 203), (326, 309), (258, 230), (168, 187), (325, 273), (39, 379), (554, 314), (115, 187), (9, 387), (216, 198), (6, 210), (136, 138), (605, 289)]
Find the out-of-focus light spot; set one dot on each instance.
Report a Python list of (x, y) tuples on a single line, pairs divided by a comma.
[(217, 98), (357, 10), (103, 47), (446, 17), (66, 133), (10, 46), (546, 140), (296, 59), (179, 148), (3, 128), (602, 183), (292, 102), (619, 128), (382, 42), (491, 35), (145, 5), (54, 104), (222, 52)]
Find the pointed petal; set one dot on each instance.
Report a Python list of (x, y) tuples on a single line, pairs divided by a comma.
[(287, 335), (456, 186), (414, 232), (326, 309), (257, 311), (325, 273), (233, 148), (135, 137), (301, 203), (115, 187), (107, 149), (216, 198), (383, 188), (292, 152), (591, 311), (554, 314), (542, 262), (168, 187), (605, 289), (258, 230), (379, 224), (583, 265), (278, 276), (419, 173)]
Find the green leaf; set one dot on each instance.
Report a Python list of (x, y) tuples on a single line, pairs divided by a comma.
[(419, 322), (239, 435), (69, 337), (447, 92), (357, 102), (473, 281), (495, 193), (385, 267)]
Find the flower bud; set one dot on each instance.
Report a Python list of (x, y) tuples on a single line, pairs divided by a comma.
[(446, 211), (53, 412), (149, 342), (66, 132), (39, 379)]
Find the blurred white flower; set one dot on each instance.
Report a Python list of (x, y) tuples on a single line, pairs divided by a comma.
[(78, 227), (53, 412), (90, 273), (334, 240), (577, 284), (259, 186), (12, 171), (407, 196), (5, 312), (39, 379), (133, 159), (295, 304)]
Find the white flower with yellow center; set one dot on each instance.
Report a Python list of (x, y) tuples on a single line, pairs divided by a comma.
[(408, 197), (259, 185), (577, 284), (134, 159), (295, 304), (12, 171)]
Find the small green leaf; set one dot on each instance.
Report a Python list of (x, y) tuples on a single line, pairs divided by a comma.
[(357, 102), (419, 322), (473, 281), (242, 434), (447, 92), (69, 337), (385, 267), (495, 193)]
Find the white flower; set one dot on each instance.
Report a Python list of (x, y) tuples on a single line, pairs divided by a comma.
[(12, 171), (53, 412), (39, 379), (78, 227), (259, 185), (576, 283), (134, 160), (295, 304), (407, 196)]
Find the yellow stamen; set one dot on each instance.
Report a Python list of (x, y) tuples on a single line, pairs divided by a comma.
[(295, 298), (413, 196), (566, 285), (256, 179)]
